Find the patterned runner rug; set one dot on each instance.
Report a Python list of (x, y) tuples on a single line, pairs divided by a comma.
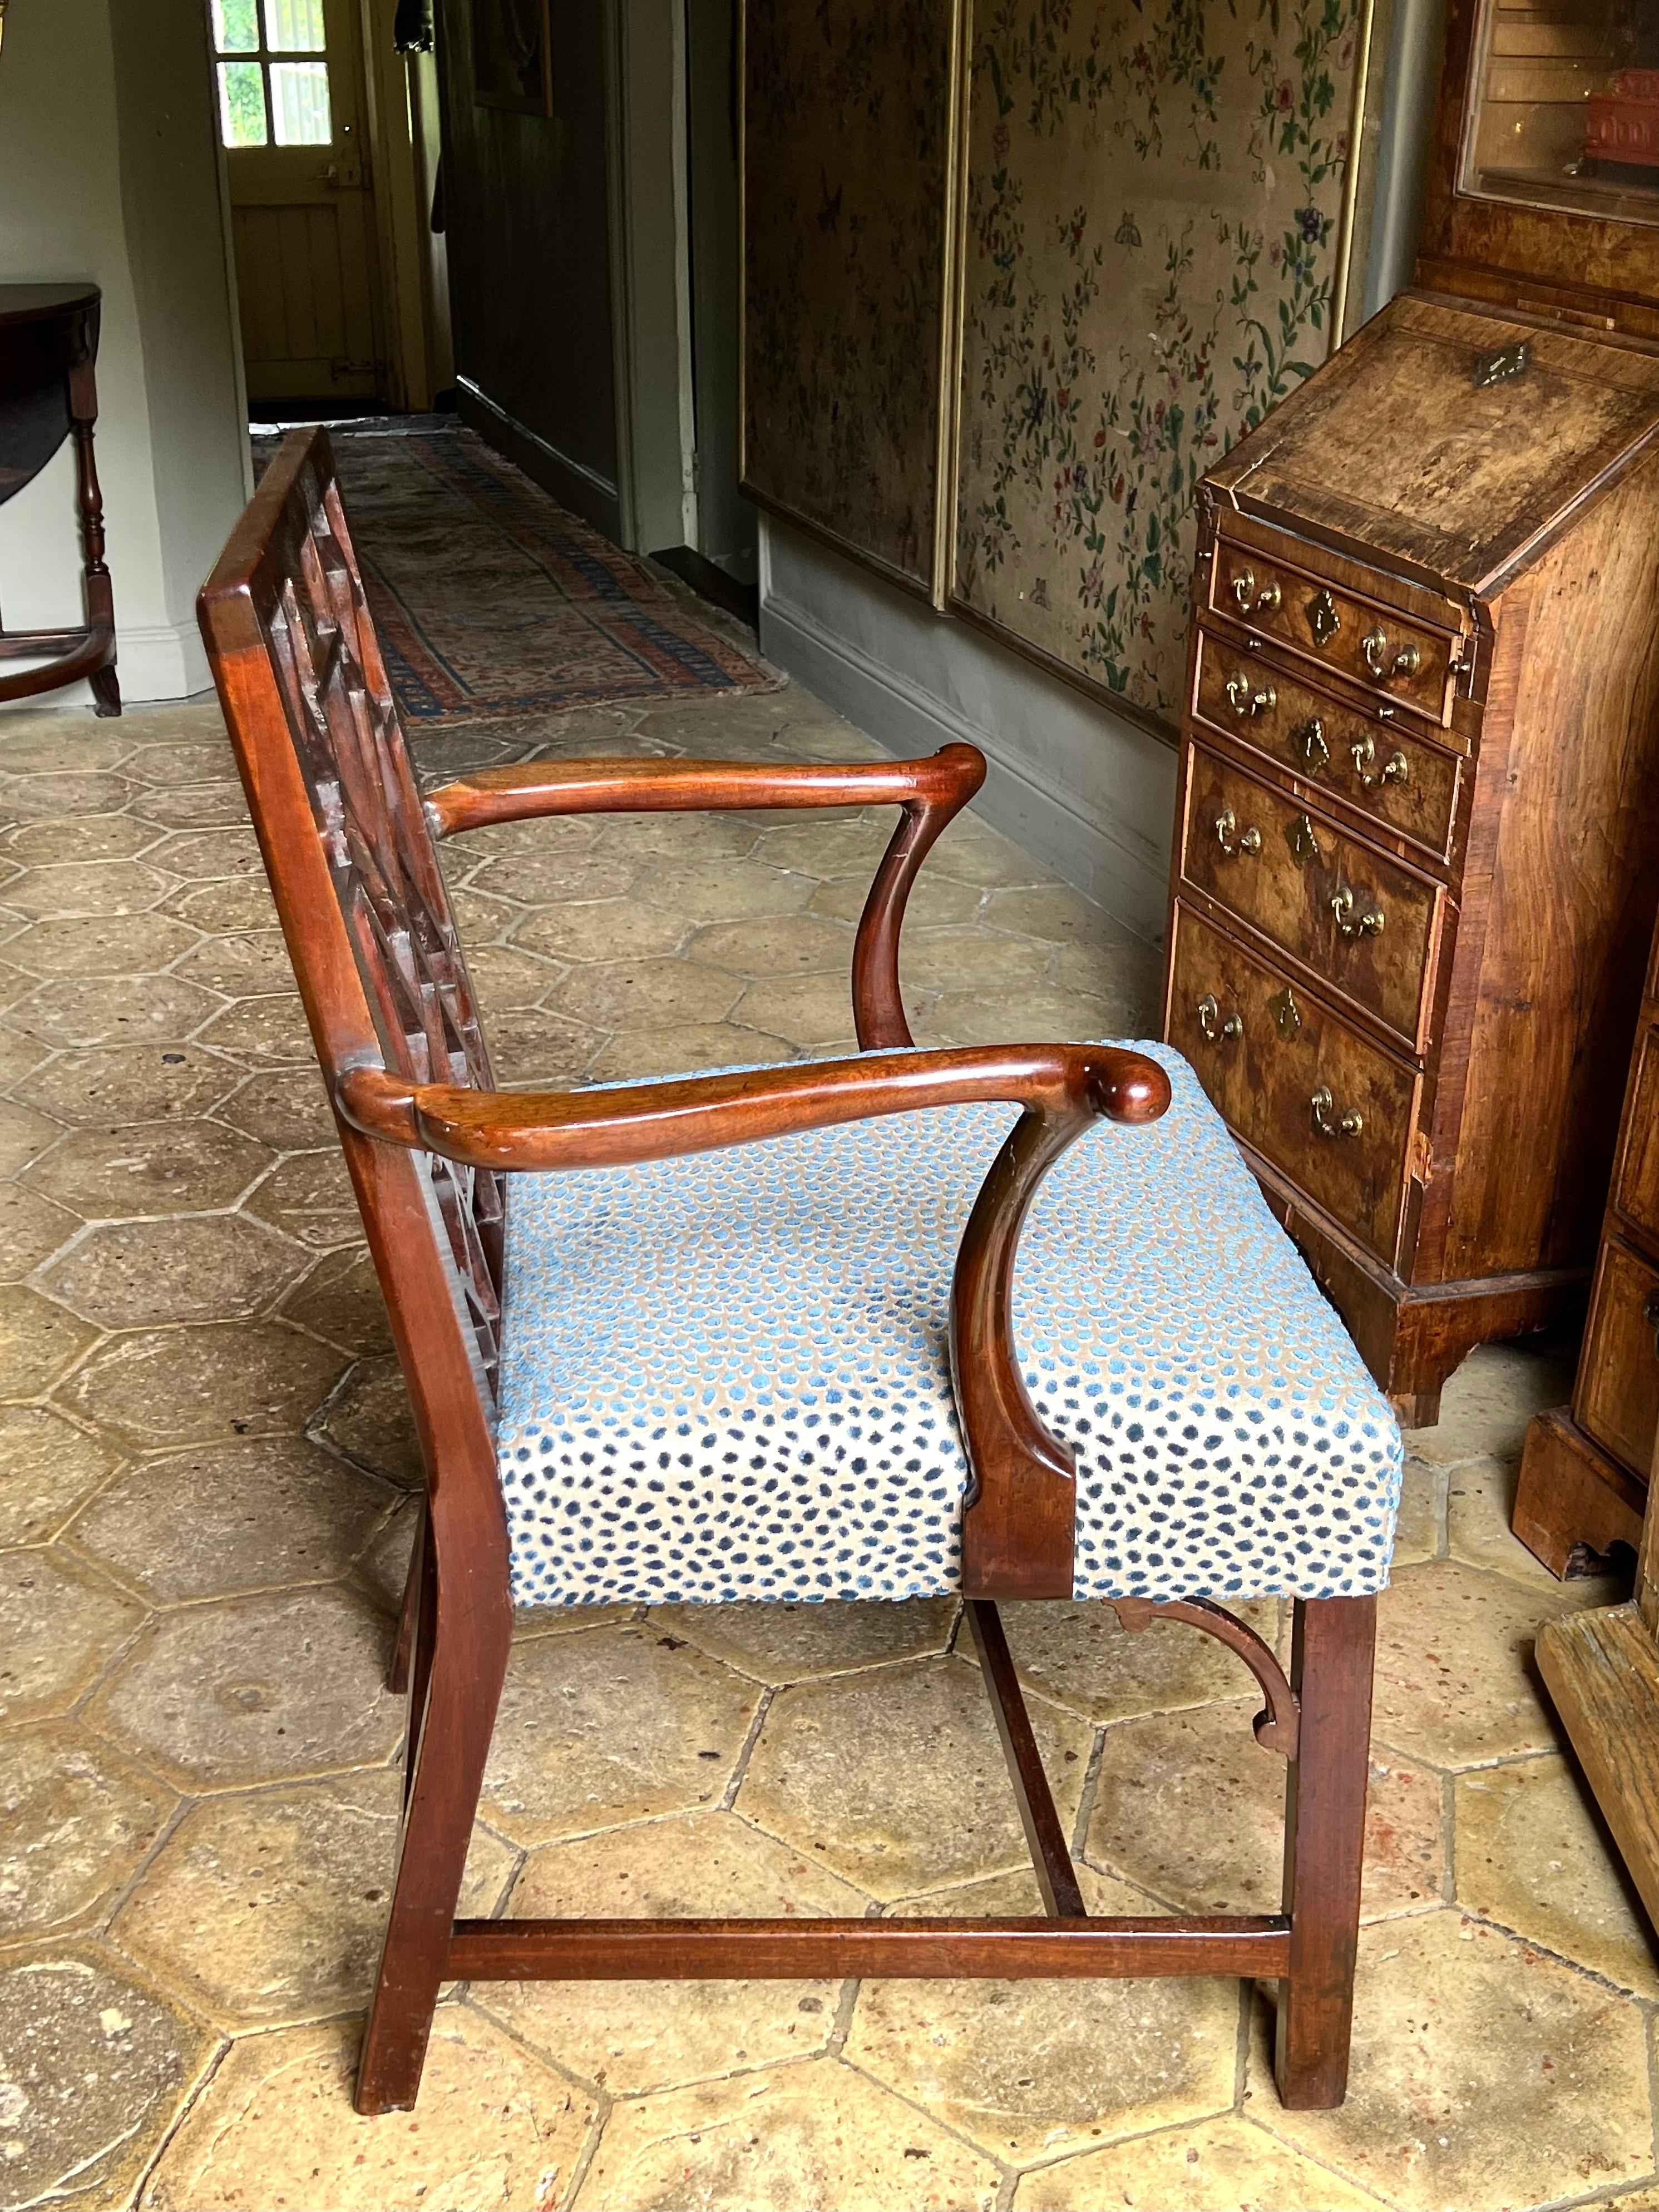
[(492, 599)]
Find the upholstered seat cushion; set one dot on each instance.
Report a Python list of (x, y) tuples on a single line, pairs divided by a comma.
[(728, 1376)]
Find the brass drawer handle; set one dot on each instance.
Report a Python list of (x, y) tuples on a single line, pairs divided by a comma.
[(1374, 646), (1215, 1030), (1252, 602), (1232, 840), (1351, 1124), (1308, 740), (1245, 696), (1395, 769), (1350, 924)]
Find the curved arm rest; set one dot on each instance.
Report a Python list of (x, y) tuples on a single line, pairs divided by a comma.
[(930, 793), (1018, 1521), (521, 1130), (688, 787)]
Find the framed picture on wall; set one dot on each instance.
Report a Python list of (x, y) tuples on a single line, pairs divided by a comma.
[(513, 56)]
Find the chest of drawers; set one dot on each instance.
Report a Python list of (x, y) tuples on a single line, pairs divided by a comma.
[(1416, 854)]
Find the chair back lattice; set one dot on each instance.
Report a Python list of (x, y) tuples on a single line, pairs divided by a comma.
[(341, 723)]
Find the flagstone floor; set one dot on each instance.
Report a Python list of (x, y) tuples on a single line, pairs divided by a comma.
[(205, 1471)]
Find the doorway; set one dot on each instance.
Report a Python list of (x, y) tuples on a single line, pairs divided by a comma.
[(326, 153)]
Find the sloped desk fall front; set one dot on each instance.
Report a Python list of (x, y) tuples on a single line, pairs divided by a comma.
[(1417, 850)]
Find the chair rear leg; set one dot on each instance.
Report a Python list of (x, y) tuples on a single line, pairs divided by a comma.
[(397, 1679), (460, 1665), (1332, 1652)]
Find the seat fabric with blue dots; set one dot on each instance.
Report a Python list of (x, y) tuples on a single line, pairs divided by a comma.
[(728, 1376)]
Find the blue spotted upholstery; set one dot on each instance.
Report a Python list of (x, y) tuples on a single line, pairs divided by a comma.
[(726, 1376)]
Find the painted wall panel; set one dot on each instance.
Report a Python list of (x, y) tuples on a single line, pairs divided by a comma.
[(1155, 201), (847, 129)]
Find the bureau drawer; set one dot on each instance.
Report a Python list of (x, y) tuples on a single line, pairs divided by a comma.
[(1322, 1103), (1375, 765), (1618, 1400), (1387, 653), (1345, 911)]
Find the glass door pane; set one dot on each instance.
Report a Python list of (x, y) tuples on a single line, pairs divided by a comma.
[(1564, 108), (242, 103), (294, 26), (299, 99)]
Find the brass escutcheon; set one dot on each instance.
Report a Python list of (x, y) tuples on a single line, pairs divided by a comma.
[(1299, 837), (1287, 1015), (1327, 1122), (1308, 739), (1323, 620), (1502, 364), (1232, 840), (1210, 1021)]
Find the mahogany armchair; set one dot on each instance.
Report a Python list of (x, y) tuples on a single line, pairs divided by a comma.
[(624, 1391)]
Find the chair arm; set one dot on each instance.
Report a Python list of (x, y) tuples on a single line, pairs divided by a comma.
[(930, 793), (1018, 1520)]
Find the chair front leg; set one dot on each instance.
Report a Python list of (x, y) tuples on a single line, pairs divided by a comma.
[(461, 1644), (1332, 1655)]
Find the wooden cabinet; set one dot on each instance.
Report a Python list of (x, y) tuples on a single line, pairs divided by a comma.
[(1418, 830), (1585, 1471)]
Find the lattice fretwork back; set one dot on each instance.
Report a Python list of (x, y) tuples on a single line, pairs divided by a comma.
[(385, 865)]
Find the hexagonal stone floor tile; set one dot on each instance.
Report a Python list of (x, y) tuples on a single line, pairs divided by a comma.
[(1189, 1805), (1485, 1406), (37, 1341), (798, 1642), (309, 1198), (31, 1229), (495, 2129), (200, 1267), (100, 945), (1028, 2068), (614, 1724), (286, 1108), (153, 1167), (812, 2133), (94, 2064), (1078, 1656), (625, 2037), (76, 1820), (46, 1467), (272, 1908), (257, 1689), (220, 1520), (218, 1380), (369, 1420), (110, 1012), (1227, 2162), (121, 1083), (1533, 1855), (60, 1626), (340, 1299), (895, 1780), (1455, 1684), (1484, 2076)]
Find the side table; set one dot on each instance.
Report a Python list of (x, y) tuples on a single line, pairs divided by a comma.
[(48, 392)]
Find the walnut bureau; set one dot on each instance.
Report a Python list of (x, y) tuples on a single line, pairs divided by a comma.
[(1416, 854)]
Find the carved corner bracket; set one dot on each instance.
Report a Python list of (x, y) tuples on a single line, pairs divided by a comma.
[(1278, 1727)]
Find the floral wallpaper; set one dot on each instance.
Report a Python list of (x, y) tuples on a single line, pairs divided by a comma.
[(1155, 188), (846, 115)]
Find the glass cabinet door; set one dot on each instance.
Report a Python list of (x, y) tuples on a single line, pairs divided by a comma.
[(1564, 107)]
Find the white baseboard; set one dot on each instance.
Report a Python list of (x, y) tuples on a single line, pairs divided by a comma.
[(153, 662), (1082, 847)]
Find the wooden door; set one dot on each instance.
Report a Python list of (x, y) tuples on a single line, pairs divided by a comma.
[(291, 115)]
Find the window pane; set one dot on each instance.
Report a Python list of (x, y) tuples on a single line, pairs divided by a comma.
[(242, 104), (299, 99), (236, 27), (294, 26)]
